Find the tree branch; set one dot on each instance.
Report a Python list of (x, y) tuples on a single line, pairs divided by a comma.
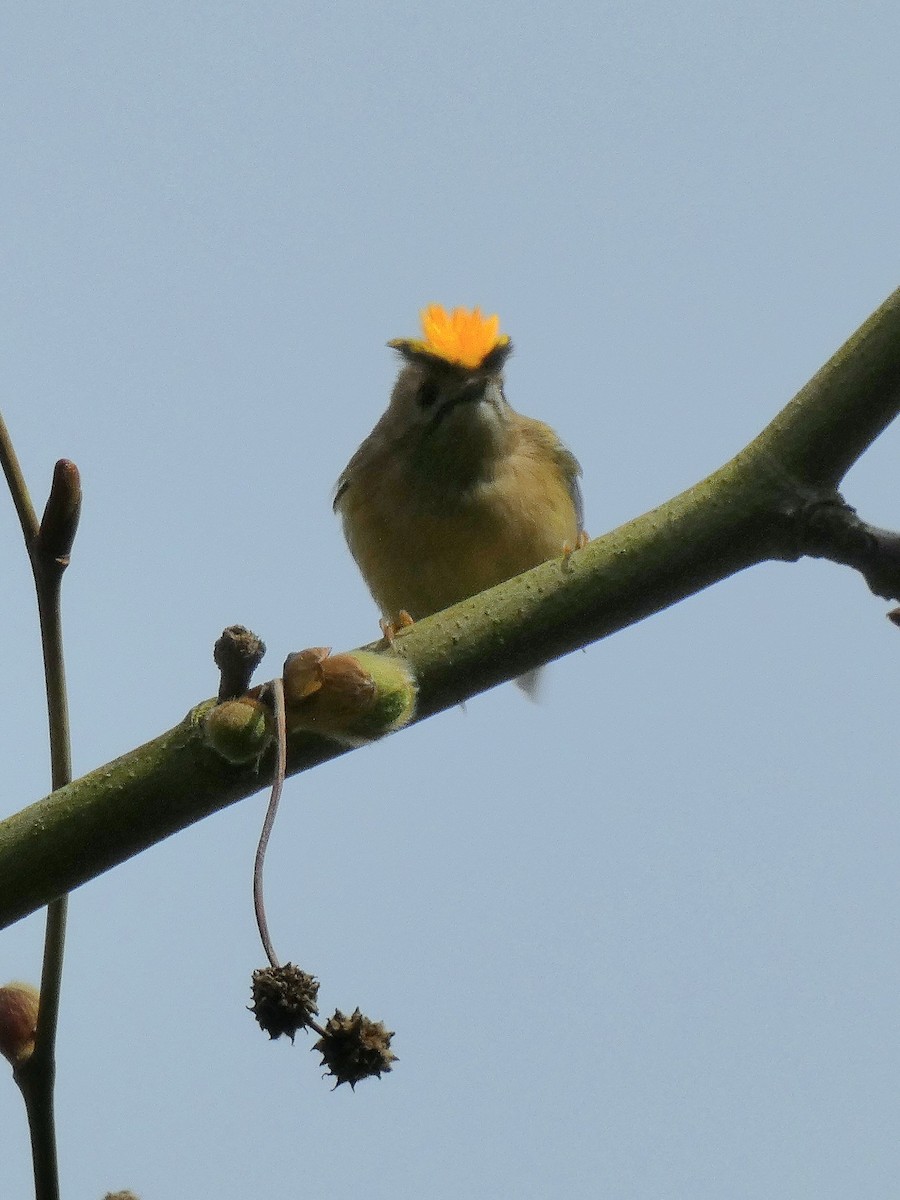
[(776, 499)]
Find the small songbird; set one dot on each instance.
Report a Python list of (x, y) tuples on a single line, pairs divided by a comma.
[(453, 491)]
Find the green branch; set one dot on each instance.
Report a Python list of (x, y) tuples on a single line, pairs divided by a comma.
[(775, 500)]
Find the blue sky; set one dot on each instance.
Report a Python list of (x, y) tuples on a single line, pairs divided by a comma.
[(638, 941)]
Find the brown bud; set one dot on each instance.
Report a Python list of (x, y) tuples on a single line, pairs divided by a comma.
[(237, 654), (352, 698), (59, 523), (303, 674), (19, 1004)]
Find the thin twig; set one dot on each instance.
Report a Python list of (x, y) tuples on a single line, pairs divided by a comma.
[(259, 907), (11, 469), (36, 1077)]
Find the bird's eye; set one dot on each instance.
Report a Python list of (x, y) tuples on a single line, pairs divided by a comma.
[(428, 393)]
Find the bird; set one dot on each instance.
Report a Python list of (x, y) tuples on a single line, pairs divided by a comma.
[(454, 491)]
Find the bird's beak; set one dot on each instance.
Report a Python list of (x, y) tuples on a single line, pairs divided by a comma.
[(484, 389)]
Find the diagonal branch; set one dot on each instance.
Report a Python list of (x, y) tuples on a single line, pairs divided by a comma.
[(761, 505)]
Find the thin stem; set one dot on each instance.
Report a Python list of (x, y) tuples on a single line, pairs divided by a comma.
[(42, 1065), (16, 481), (259, 907), (37, 1077), (48, 594), (38, 1098)]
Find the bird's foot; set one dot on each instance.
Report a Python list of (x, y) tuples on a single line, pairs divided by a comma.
[(390, 629), (580, 543)]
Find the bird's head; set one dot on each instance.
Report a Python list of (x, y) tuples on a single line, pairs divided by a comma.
[(448, 398)]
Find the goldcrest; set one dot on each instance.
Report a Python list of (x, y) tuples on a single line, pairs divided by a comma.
[(453, 491)]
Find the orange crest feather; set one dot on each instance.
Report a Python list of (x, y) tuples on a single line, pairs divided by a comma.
[(463, 336)]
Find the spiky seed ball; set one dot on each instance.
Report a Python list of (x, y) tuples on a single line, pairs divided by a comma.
[(353, 1048), (284, 999)]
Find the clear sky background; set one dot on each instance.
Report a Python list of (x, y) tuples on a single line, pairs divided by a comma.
[(639, 941)]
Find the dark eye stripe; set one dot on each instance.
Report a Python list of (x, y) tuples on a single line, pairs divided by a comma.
[(428, 393)]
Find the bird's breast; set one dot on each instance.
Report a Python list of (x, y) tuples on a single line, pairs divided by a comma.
[(424, 556)]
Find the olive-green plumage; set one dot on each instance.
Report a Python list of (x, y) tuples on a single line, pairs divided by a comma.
[(453, 491)]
